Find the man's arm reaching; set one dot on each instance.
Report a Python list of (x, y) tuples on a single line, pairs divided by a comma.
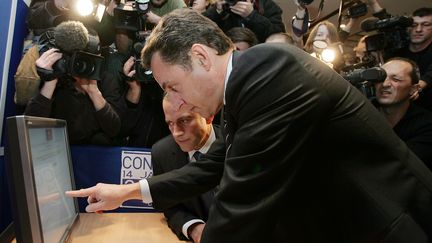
[(107, 196)]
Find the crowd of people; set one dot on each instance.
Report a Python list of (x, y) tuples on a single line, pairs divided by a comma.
[(288, 122)]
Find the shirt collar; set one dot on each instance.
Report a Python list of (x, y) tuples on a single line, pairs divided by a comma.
[(228, 73), (204, 149)]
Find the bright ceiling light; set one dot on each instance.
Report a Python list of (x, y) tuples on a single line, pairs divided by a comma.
[(84, 7)]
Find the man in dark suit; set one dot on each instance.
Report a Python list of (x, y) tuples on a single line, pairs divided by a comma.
[(192, 135), (308, 158)]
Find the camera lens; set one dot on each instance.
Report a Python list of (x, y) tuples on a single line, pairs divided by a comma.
[(84, 66)]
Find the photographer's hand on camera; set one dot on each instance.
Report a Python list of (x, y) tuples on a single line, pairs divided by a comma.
[(134, 91), (376, 7), (242, 8), (220, 6), (110, 8), (44, 65), (90, 87)]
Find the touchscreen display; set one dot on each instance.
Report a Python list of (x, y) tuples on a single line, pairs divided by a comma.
[(49, 152)]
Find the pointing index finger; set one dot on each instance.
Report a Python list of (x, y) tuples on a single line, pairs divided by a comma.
[(81, 193)]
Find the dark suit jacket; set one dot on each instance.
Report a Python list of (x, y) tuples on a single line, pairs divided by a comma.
[(167, 156), (308, 159)]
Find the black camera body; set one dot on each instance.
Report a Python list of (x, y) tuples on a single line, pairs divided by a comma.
[(365, 78), (229, 3), (357, 10), (79, 63), (131, 16), (390, 41), (142, 75), (392, 34)]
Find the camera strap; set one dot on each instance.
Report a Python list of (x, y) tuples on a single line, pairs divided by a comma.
[(47, 75)]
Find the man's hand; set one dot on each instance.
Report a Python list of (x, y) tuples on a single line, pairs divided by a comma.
[(195, 232), (107, 196), (128, 67), (242, 8), (419, 87), (91, 89), (219, 5), (110, 8), (86, 85), (134, 92), (153, 18), (48, 58)]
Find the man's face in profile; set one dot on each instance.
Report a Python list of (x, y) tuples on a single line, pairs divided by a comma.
[(189, 129), (195, 90), (397, 87)]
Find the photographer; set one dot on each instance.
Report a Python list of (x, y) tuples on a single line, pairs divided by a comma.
[(411, 123), (141, 98), (420, 51), (417, 48), (263, 17), (77, 99), (301, 21), (134, 17), (143, 120)]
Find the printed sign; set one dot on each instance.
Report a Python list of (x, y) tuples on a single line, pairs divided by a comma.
[(136, 165)]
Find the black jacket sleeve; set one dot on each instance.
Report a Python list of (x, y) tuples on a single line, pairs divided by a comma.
[(39, 106), (191, 180)]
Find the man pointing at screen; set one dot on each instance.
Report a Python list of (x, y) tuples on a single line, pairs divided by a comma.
[(305, 158)]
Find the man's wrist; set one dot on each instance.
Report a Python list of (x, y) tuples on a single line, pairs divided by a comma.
[(188, 226), (133, 191), (145, 195)]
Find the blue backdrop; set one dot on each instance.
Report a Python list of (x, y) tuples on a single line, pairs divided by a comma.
[(12, 33)]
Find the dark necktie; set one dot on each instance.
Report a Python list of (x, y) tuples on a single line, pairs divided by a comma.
[(197, 155)]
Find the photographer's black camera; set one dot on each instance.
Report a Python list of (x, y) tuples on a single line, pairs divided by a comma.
[(77, 63), (392, 33), (141, 74), (230, 3), (363, 79), (357, 10), (131, 15)]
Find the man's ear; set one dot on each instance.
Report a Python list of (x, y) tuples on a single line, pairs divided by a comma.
[(414, 88), (201, 55)]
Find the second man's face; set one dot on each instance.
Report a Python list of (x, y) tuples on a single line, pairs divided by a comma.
[(189, 129)]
